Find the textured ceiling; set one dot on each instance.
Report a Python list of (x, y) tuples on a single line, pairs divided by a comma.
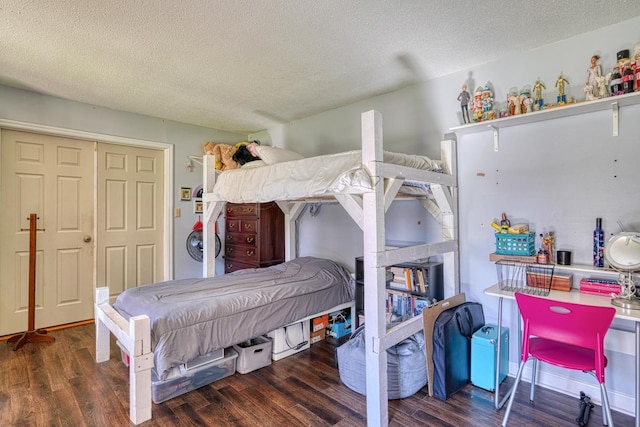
[(244, 66)]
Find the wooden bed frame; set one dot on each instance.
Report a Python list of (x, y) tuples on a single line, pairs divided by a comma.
[(134, 337), (368, 211)]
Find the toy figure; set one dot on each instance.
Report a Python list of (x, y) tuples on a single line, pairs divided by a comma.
[(464, 98), (477, 105), (547, 243), (588, 91), (487, 103), (517, 105), (603, 85), (595, 70), (511, 103), (537, 90), (562, 98)]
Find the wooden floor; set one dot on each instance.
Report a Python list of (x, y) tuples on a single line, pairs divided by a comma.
[(60, 384)]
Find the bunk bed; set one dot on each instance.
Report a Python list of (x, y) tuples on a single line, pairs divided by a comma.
[(366, 201), (365, 191)]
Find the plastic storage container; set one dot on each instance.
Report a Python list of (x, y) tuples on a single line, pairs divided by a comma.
[(253, 354), (183, 380), (516, 244), (291, 339), (484, 354)]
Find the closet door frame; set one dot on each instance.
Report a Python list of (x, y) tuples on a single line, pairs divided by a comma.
[(168, 150)]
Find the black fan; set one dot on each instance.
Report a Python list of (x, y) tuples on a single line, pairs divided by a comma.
[(195, 245)]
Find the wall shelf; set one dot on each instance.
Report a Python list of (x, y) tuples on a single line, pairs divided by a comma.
[(612, 103)]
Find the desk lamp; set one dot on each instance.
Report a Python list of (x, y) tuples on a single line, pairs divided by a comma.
[(622, 252)]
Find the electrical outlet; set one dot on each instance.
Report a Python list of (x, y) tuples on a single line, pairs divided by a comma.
[(177, 213)]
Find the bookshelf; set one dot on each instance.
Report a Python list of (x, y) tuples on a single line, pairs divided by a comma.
[(425, 285)]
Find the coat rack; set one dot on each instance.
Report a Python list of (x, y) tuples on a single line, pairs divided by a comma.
[(31, 335)]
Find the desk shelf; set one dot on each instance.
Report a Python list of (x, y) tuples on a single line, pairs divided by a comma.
[(578, 268)]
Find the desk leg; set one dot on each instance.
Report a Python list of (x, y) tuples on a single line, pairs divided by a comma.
[(637, 413), (497, 402)]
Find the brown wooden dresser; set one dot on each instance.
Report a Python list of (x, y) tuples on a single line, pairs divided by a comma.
[(254, 236)]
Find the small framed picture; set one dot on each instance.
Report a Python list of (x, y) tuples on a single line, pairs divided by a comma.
[(197, 206), (185, 193)]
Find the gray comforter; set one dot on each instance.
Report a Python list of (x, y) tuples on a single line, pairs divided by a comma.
[(193, 317)]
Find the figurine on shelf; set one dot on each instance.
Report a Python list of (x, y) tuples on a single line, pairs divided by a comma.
[(537, 90), (588, 91), (487, 103), (464, 99), (562, 98), (603, 85), (477, 105), (512, 100), (548, 239), (594, 71)]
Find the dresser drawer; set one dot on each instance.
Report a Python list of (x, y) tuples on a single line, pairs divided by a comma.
[(231, 265), (242, 209), (241, 225), (242, 253), (245, 239)]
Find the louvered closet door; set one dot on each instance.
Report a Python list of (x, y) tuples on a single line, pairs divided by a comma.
[(52, 177)]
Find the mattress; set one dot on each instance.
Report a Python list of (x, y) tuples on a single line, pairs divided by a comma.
[(319, 176), (193, 317)]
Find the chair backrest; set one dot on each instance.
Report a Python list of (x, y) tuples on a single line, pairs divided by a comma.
[(577, 324)]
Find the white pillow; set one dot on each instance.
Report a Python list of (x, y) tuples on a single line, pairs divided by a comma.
[(272, 155), (253, 164)]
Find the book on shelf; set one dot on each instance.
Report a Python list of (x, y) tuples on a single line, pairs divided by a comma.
[(409, 278), (420, 304), (420, 273), (401, 304)]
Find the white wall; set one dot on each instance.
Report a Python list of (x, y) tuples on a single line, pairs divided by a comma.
[(556, 175), (29, 107)]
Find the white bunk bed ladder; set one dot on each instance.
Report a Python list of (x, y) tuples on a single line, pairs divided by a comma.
[(374, 205)]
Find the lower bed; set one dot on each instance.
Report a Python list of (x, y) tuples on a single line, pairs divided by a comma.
[(189, 318)]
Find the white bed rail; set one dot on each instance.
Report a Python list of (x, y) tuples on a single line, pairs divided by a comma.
[(134, 336)]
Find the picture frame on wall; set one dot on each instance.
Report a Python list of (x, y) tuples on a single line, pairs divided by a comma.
[(197, 206), (185, 193)]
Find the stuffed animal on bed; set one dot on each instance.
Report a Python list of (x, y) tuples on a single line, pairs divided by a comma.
[(224, 155)]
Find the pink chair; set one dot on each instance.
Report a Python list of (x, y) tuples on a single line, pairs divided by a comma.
[(563, 334)]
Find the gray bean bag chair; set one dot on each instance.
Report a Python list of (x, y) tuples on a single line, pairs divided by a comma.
[(406, 365)]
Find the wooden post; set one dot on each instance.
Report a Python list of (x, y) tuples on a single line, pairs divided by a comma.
[(31, 335)]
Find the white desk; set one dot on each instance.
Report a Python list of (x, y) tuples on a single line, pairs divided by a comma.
[(577, 297)]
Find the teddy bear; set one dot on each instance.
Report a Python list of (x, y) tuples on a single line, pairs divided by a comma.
[(224, 154)]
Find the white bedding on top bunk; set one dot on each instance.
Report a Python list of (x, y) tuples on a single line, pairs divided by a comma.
[(340, 173)]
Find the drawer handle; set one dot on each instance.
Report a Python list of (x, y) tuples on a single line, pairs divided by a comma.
[(229, 250), (229, 210), (248, 226), (229, 237), (232, 226), (229, 266), (249, 253), (250, 239)]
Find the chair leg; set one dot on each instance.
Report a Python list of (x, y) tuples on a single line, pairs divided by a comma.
[(513, 393), (534, 373), (606, 408)]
